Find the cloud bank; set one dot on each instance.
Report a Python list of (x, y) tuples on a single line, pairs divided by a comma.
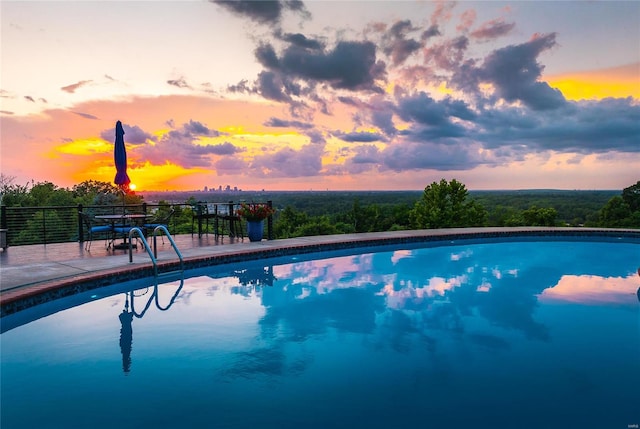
[(443, 94)]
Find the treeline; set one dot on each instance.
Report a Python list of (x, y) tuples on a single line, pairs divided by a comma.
[(573, 208), (42, 194), (449, 204), (442, 204)]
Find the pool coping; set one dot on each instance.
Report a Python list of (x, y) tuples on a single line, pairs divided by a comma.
[(21, 298)]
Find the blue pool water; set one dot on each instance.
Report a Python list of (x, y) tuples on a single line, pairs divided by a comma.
[(495, 335)]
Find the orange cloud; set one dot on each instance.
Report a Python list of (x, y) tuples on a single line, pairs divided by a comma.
[(83, 147), (617, 82), (164, 177)]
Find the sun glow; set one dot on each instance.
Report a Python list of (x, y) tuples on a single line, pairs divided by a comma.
[(151, 177), (619, 82), (85, 147)]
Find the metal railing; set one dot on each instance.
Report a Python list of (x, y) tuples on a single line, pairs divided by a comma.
[(62, 224)]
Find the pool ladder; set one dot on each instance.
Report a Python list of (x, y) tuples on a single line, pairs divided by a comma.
[(154, 255), (155, 297)]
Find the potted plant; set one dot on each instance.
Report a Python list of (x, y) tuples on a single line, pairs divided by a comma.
[(255, 214)]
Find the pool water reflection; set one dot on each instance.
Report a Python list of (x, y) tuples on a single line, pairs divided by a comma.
[(511, 334)]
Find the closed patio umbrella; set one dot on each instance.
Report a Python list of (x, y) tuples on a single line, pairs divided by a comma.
[(120, 157), (121, 179)]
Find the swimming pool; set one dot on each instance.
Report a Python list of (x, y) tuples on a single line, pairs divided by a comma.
[(494, 334)]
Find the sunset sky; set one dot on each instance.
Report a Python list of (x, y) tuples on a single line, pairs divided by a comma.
[(337, 95)]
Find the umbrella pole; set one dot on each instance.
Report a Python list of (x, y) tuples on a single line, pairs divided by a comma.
[(125, 244), (123, 202)]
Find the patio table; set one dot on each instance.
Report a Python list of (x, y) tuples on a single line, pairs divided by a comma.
[(113, 218)]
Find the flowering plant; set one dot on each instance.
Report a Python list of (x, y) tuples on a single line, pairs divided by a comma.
[(255, 211)]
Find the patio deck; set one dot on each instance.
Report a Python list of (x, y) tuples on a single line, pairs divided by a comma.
[(29, 271), (24, 266)]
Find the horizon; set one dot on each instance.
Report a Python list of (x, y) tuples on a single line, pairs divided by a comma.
[(338, 96), (241, 191)]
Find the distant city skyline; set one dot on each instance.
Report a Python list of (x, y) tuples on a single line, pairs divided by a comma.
[(292, 95), (221, 188)]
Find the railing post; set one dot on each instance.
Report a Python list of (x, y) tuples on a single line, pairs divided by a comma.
[(4, 239), (232, 226), (44, 224), (3, 217), (80, 228), (270, 222)]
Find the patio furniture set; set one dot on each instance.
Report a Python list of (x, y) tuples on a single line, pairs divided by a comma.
[(111, 227)]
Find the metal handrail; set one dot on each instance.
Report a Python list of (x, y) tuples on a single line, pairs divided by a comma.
[(153, 255), (155, 298), (172, 300), (164, 229), (132, 232)]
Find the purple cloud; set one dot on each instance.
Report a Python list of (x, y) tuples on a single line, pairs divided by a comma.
[(429, 156), (73, 87), (396, 44), (302, 41), (422, 109), (514, 71), (492, 29), (230, 165), (361, 137), (350, 65), (85, 115), (263, 11), (288, 162), (133, 134), (199, 129), (180, 83), (282, 123), (449, 54)]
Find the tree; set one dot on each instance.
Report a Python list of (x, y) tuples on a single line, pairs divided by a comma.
[(288, 221), (6, 185), (12, 195), (622, 211), (616, 213), (535, 216), (319, 225), (41, 192), (444, 205), (92, 192), (97, 193), (47, 194), (364, 219), (631, 196)]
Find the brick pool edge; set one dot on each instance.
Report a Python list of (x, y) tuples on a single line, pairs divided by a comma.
[(18, 299)]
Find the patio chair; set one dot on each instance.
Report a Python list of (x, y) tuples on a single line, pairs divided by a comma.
[(122, 230), (161, 219), (200, 212), (230, 221), (94, 228)]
